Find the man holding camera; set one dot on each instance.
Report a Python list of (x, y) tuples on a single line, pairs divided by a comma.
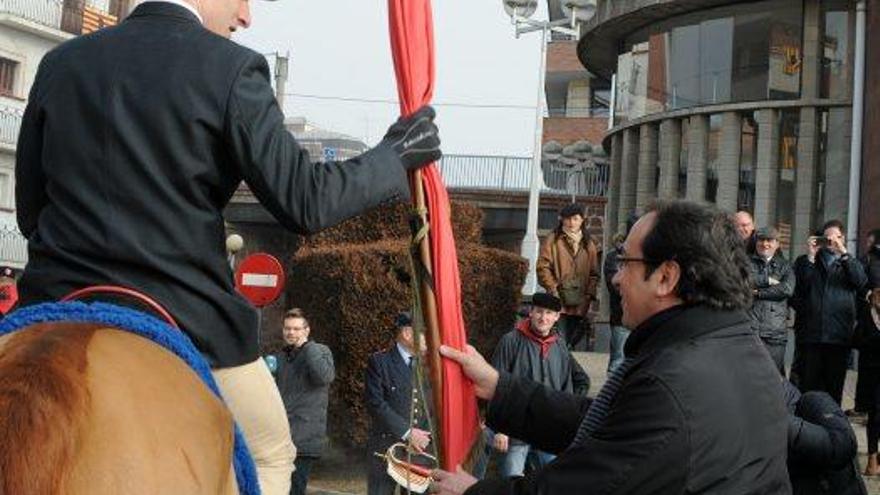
[(833, 281)]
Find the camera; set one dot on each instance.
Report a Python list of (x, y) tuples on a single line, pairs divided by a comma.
[(820, 241)]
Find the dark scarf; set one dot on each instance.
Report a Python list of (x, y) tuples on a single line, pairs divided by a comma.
[(525, 328), (601, 406), (292, 352)]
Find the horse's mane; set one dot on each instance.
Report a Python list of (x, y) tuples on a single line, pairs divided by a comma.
[(44, 398)]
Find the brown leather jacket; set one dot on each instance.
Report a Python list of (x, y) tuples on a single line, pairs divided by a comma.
[(584, 265)]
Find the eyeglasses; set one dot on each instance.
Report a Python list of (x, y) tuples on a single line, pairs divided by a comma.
[(623, 260)]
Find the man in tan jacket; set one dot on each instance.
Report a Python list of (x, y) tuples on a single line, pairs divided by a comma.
[(568, 268)]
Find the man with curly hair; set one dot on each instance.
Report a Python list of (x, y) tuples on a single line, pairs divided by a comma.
[(697, 405)]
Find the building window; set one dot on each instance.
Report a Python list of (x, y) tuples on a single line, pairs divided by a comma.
[(713, 156), (683, 158), (8, 73), (837, 49), (831, 186), (789, 133), (748, 159), (727, 54)]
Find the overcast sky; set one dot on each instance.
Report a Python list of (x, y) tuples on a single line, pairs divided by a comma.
[(340, 49)]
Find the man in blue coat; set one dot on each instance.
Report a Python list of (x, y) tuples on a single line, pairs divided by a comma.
[(389, 400)]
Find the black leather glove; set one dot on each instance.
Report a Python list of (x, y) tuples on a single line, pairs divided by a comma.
[(415, 139)]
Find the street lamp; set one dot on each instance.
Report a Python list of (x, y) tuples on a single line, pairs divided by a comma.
[(234, 243), (520, 13), (580, 158)]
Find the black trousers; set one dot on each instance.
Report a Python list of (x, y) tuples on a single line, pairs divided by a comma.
[(572, 329), (378, 481), (300, 477), (777, 352), (868, 393), (824, 368)]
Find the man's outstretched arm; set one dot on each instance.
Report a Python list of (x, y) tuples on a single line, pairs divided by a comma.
[(307, 196)]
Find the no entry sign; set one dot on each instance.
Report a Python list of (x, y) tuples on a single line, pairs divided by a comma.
[(260, 279)]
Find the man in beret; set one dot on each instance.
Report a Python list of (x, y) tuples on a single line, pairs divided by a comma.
[(534, 350)]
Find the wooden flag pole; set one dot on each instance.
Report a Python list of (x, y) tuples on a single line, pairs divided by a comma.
[(429, 310)]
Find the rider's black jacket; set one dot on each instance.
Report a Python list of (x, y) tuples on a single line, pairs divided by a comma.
[(134, 140)]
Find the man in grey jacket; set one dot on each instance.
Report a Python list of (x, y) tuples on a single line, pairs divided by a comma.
[(772, 284), (305, 371)]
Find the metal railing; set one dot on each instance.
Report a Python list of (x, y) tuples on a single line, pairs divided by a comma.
[(10, 123), (46, 12), (13, 247), (513, 173)]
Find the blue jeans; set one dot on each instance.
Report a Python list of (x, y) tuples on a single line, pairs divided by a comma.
[(513, 463), (619, 335)]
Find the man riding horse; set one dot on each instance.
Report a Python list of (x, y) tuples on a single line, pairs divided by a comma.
[(134, 140)]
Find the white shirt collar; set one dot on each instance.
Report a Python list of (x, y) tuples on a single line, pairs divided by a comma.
[(405, 354), (183, 4)]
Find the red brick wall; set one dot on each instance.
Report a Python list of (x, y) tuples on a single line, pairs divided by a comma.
[(562, 57), (869, 212), (567, 130)]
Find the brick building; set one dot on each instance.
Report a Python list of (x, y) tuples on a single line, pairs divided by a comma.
[(745, 104)]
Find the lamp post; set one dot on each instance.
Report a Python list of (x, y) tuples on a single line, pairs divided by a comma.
[(520, 12), (234, 243), (580, 158)]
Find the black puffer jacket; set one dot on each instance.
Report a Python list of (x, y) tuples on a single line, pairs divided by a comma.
[(821, 446), (774, 283), (833, 284)]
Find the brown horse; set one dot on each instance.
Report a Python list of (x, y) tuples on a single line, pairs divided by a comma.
[(87, 409)]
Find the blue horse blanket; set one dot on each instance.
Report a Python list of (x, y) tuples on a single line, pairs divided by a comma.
[(150, 328)]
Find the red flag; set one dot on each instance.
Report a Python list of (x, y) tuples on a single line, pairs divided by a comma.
[(412, 46)]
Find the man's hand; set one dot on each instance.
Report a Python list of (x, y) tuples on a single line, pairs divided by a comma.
[(837, 245), (415, 139), (484, 376), (452, 483), (500, 442), (812, 248), (419, 439)]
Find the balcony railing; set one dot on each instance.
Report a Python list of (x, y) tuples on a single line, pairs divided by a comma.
[(13, 247), (513, 173), (45, 12), (10, 123), (74, 17)]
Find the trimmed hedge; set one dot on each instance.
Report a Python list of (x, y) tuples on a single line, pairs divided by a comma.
[(390, 222), (351, 294)]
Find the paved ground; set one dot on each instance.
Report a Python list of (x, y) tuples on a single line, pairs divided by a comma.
[(337, 474)]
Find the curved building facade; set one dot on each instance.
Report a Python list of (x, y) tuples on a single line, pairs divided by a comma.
[(747, 105)]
